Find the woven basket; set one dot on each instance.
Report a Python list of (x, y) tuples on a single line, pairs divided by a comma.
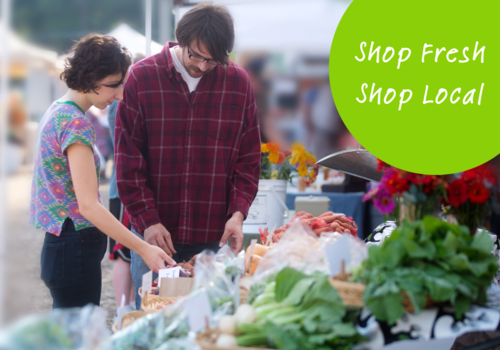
[(408, 305), (128, 319), (206, 341), (153, 289), (350, 293), (151, 302)]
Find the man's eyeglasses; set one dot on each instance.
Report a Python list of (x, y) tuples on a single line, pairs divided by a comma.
[(197, 58)]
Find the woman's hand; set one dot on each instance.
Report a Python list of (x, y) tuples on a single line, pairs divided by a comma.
[(155, 257)]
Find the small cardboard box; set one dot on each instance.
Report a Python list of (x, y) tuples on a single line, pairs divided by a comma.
[(315, 205), (176, 287)]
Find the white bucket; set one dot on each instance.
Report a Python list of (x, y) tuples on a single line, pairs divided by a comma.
[(269, 208)]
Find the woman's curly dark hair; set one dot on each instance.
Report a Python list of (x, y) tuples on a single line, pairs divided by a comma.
[(93, 58)]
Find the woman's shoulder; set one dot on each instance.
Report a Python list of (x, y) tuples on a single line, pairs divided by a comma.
[(62, 114)]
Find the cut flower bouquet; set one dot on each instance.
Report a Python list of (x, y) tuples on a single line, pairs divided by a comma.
[(284, 165)]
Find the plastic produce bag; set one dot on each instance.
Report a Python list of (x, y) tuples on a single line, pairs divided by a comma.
[(61, 329), (152, 330), (218, 275), (301, 249)]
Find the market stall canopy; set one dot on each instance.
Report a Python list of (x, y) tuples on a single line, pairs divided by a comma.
[(134, 41), (356, 162), (22, 52), (294, 26)]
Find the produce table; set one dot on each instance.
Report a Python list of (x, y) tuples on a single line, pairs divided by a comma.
[(350, 204)]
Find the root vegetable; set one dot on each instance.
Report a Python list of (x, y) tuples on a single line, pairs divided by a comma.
[(259, 249), (245, 314), (254, 262), (226, 341), (319, 231), (228, 324), (318, 224), (336, 227)]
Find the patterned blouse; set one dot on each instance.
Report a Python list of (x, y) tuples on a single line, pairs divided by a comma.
[(53, 197)]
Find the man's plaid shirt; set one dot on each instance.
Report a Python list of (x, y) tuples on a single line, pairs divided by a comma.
[(186, 160)]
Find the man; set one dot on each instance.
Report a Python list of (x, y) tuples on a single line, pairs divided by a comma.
[(187, 142)]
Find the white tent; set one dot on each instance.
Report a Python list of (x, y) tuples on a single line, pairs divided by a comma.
[(22, 52), (291, 26), (133, 41)]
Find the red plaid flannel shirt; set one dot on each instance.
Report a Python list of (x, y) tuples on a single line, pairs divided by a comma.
[(186, 161)]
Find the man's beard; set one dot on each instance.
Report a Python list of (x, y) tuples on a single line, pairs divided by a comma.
[(190, 71), (194, 69)]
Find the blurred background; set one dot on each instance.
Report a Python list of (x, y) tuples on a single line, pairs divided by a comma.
[(283, 44)]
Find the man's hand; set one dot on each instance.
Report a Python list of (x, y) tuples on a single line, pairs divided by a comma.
[(158, 235), (234, 229)]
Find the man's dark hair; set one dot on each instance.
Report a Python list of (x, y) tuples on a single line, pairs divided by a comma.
[(93, 58), (210, 24)]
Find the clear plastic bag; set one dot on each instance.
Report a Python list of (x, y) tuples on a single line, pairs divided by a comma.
[(153, 330), (302, 250), (218, 275), (61, 329)]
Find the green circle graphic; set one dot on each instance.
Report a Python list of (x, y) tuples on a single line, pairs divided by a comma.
[(458, 71)]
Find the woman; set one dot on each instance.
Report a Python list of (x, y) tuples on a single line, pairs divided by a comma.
[(65, 199)]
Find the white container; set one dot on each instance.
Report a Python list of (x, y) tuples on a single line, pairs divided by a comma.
[(269, 208), (315, 205)]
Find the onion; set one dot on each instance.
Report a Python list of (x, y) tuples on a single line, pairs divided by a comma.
[(245, 314), (226, 341), (227, 325)]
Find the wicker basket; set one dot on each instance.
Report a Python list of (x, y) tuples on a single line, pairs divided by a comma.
[(206, 341), (151, 302), (408, 305), (128, 319), (153, 289), (350, 293)]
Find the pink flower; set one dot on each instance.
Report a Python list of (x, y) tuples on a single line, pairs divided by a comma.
[(384, 202)]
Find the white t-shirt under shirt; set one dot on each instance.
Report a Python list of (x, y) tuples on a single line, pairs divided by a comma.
[(190, 81)]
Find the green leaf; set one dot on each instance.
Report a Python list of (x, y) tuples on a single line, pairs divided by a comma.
[(459, 262), (393, 251), (439, 288), (417, 299), (283, 339), (299, 290), (417, 251), (386, 308), (461, 305), (285, 281), (322, 294), (482, 242), (344, 329), (389, 287), (479, 268), (451, 243)]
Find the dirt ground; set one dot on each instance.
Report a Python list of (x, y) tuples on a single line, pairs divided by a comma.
[(25, 291)]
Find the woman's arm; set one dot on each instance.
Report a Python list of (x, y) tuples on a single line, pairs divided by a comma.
[(84, 177)]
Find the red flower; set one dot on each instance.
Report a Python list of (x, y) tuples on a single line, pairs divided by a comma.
[(287, 153), (381, 165), (281, 158), (419, 179), (396, 185), (480, 174), (478, 193), (457, 192)]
